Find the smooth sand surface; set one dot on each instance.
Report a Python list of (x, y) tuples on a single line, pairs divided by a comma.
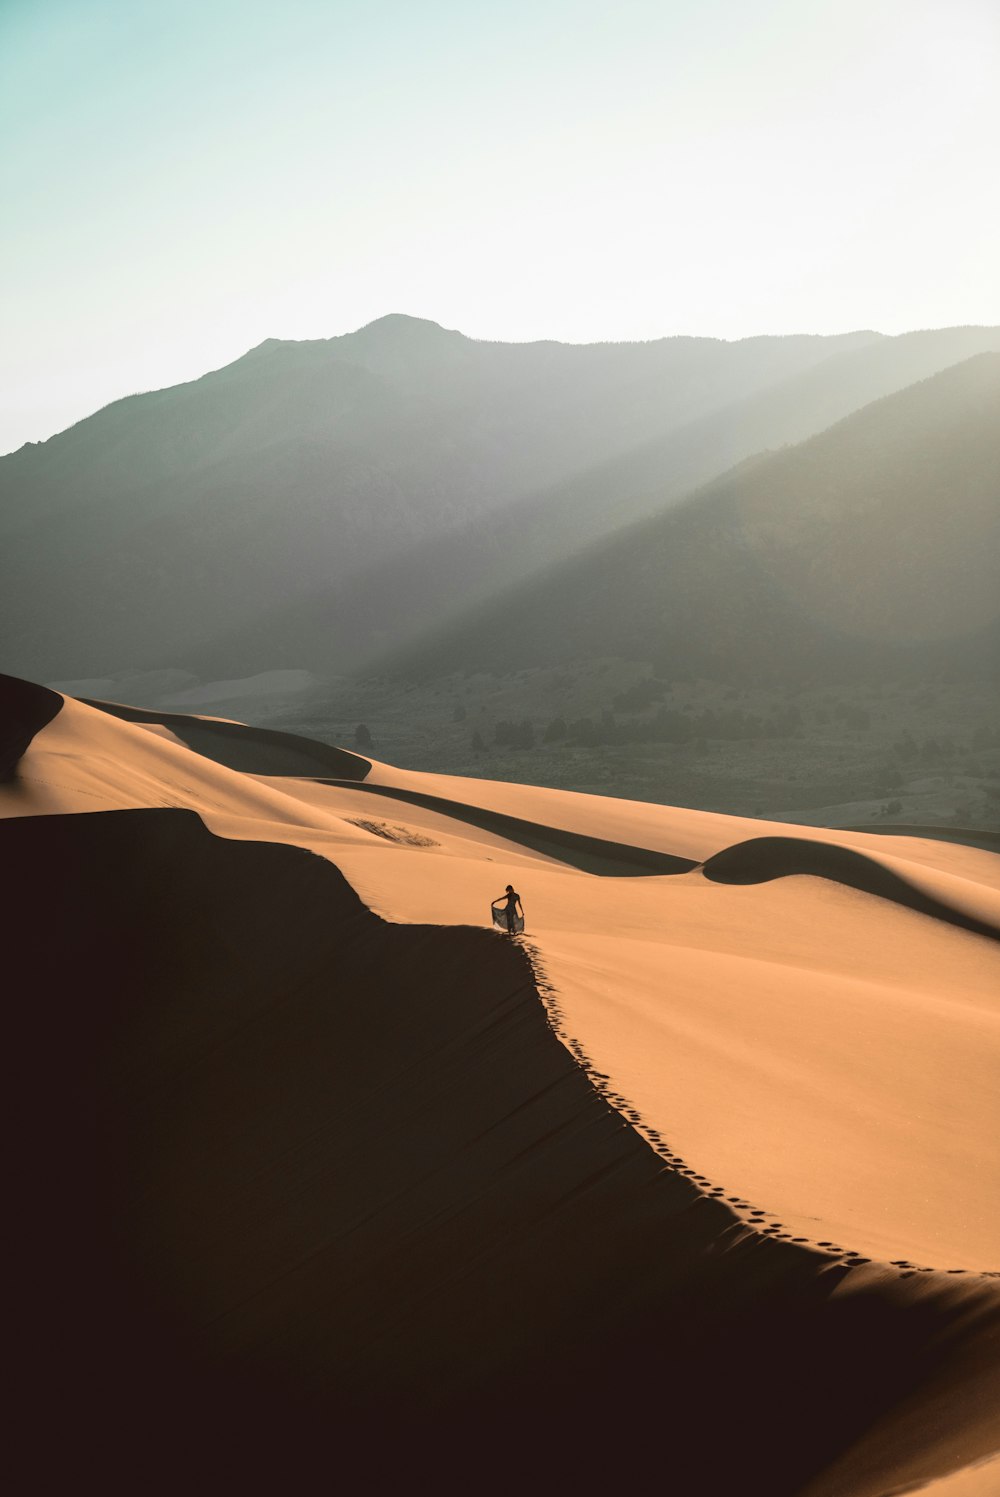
[(799, 1028), (980, 1480)]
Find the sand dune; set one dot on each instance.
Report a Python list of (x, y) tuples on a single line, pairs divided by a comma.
[(26, 710), (979, 1480), (765, 858), (701, 1171), (256, 750)]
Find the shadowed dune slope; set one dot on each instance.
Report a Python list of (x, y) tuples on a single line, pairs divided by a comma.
[(24, 710), (589, 854), (766, 858), (304, 1186), (823, 1057), (239, 746)]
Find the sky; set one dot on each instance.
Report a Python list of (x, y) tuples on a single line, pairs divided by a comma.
[(179, 181)]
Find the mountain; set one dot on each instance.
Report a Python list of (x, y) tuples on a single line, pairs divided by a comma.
[(168, 516), (874, 545), (193, 521), (354, 621)]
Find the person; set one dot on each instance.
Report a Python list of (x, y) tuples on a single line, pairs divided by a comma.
[(513, 909)]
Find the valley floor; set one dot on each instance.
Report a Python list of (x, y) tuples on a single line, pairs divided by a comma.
[(897, 753)]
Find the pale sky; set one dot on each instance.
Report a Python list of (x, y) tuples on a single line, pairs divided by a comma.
[(180, 179)]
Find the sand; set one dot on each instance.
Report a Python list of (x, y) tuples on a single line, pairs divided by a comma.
[(701, 1168)]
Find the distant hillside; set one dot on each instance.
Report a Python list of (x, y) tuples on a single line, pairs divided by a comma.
[(347, 622), (182, 514), (317, 501), (874, 545)]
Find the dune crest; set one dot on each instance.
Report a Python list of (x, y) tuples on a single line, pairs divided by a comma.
[(708, 1148), (766, 858), (24, 710)]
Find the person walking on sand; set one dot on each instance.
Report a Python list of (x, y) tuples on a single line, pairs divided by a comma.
[(509, 915)]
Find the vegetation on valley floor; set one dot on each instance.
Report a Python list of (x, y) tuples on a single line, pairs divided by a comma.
[(913, 752)]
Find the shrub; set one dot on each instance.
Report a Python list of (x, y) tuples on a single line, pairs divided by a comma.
[(514, 734), (640, 694)]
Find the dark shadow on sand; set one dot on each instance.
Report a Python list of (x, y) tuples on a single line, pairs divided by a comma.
[(301, 1198), (262, 751), (589, 854), (25, 709), (765, 858)]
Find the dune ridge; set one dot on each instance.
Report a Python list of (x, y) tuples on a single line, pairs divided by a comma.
[(254, 750), (590, 854), (765, 858), (274, 1124), (771, 969), (365, 1161), (24, 710)]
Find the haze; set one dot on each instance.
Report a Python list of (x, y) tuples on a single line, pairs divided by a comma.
[(181, 182)]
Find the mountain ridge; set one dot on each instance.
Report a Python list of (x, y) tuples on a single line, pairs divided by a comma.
[(489, 553), (185, 516), (396, 321), (796, 554)]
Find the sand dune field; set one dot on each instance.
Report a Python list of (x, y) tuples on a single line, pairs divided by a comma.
[(691, 1188)]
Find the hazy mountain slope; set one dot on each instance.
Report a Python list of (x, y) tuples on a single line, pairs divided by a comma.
[(874, 544), (173, 515), (342, 623)]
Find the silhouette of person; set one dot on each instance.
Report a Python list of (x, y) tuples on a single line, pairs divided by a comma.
[(513, 900)]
